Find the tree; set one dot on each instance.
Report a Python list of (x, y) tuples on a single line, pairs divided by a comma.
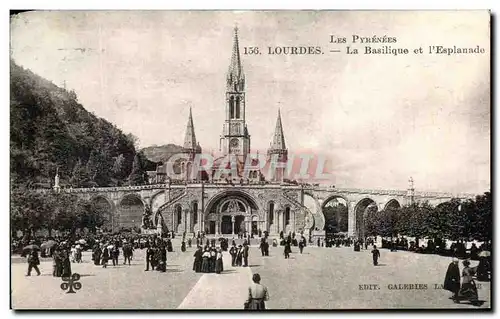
[(28, 210), (118, 166), (137, 176), (483, 225), (79, 176), (336, 217)]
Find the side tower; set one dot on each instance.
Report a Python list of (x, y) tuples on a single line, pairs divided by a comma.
[(190, 149), (235, 139), (277, 153)]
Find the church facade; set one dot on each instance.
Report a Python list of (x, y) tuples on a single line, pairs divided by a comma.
[(258, 201)]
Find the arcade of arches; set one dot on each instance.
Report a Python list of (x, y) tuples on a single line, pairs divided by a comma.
[(232, 212)]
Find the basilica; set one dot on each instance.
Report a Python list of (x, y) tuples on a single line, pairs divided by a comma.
[(233, 193), (233, 210)]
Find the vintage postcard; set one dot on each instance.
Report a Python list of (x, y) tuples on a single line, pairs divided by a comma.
[(250, 160)]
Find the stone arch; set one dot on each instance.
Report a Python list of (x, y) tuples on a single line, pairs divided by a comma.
[(332, 197), (131, 208), (156, 200), (177, 217), (195, 212), (234, 193), (287, 215), (244, 207), (107, 207), (335, 209), (360, 210), (392, 203)]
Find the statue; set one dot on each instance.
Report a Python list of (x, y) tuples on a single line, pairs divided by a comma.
[(160, 221), (146, 218)]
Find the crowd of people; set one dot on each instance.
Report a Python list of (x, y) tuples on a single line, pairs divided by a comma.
[(208, 256)]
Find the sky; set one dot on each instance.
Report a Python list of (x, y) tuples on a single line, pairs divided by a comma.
[(378, 118)]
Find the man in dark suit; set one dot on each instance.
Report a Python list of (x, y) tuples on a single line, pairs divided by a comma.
[(33, 262), (262, 246), (288, 249), (149, 253), (245, 255), (302, 244), (233, 252), (376, 255)]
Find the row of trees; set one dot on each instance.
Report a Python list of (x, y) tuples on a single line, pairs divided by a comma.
[(97, 173), (454, 220), (32, 211)]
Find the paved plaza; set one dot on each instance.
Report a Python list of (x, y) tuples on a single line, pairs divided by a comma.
[(321, 278)]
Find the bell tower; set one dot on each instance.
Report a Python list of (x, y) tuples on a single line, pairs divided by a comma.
[(235, 139)]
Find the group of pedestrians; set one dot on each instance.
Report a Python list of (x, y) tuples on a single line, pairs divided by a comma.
[(156, 257), (208, 260), (466, 290), (239, 255)]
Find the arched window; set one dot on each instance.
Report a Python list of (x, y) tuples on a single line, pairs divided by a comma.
[(237, 107), (287, 215), (271, 212), (231, 107), (179, 215), (195, 212)]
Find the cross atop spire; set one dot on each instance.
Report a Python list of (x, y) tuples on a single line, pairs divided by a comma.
[(190, 138), (278, 142), (235, 77)]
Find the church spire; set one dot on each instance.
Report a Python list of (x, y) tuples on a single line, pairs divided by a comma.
[(278, 142), (235, 77), (190, 138)]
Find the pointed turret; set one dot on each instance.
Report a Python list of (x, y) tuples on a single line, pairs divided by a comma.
[(190, 143), (278, 142), (235, 77), (277, 153)]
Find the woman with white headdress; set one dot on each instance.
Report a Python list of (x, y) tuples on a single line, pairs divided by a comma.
[(219, 267)]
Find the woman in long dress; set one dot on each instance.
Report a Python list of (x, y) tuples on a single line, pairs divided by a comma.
[(218, 262), (213, 258), (57, 271), (239, 256), (205, 267), (468, 290)]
